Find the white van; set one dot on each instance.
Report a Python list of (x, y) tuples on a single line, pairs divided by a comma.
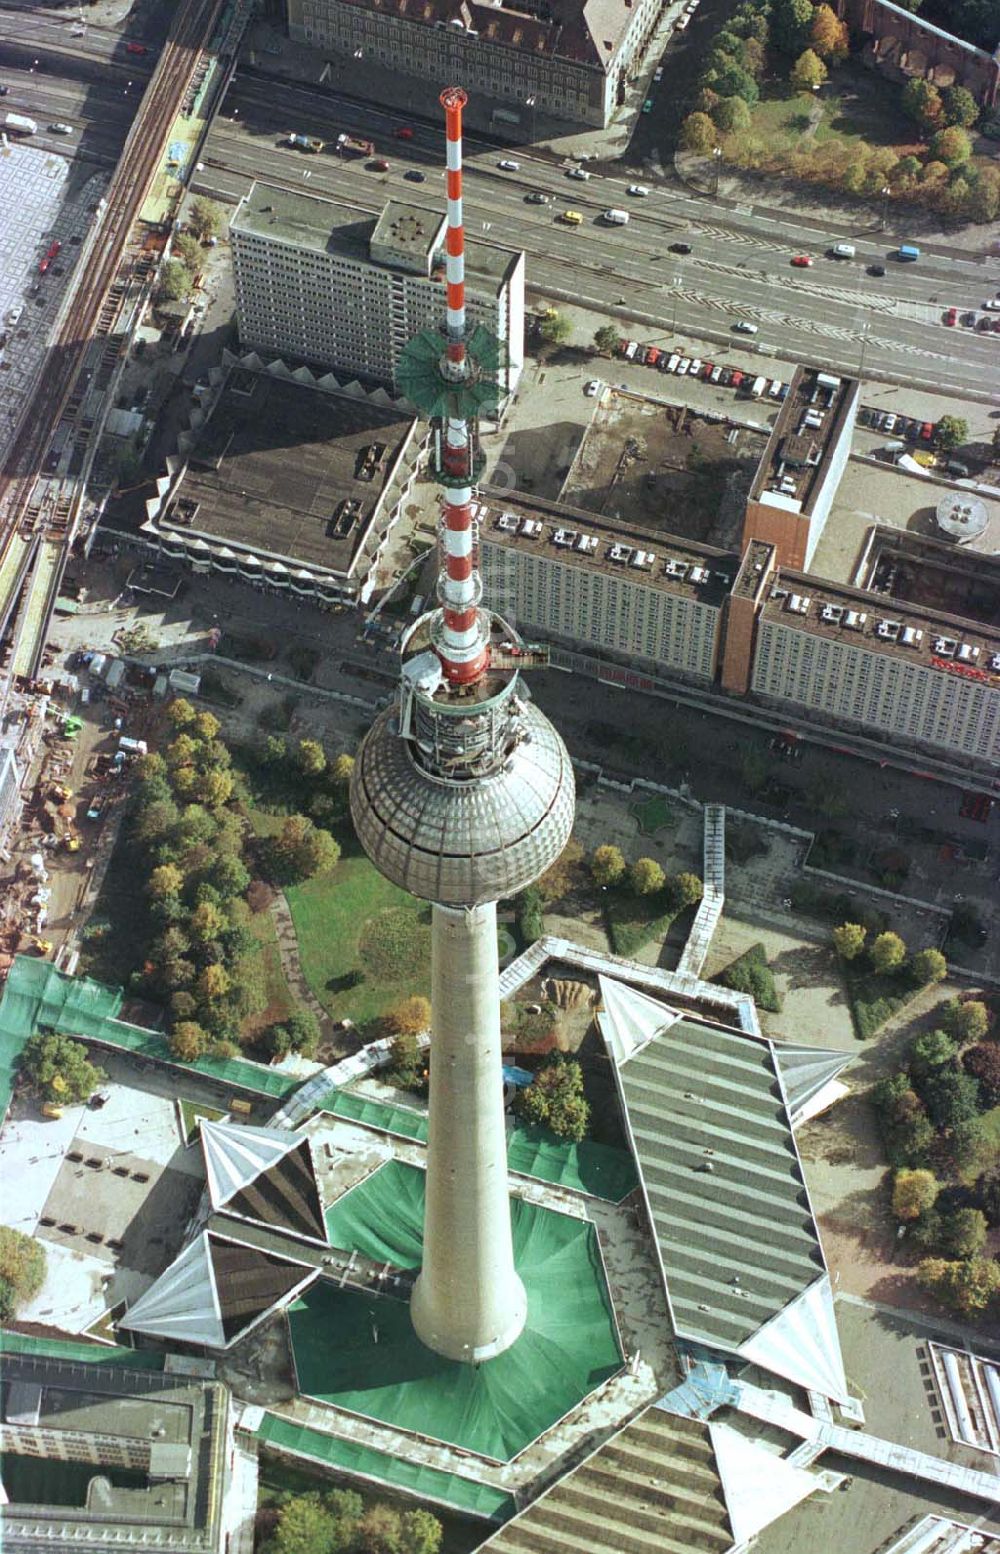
[(616, 218), (673, 363), (843, 250), (631, 349), (774, 392), (757, 387)]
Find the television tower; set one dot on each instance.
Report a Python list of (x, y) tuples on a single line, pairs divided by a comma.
[(462, 793)]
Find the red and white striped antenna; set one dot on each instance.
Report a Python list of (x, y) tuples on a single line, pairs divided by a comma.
[(463, 643)]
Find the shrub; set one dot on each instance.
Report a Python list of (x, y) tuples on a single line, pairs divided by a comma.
[(913, 1193), (529, 909), (699, 134), (887, 953), (646, 877), (928, 966), (555, 1097), (406, 1060), (970, 1287), (22, 1270), (410, 1016), (607, 866), (931, 1050), (965, 1021), (58, 1069), (983, 1063), (750, 973), (951, 1096), (849, 940)]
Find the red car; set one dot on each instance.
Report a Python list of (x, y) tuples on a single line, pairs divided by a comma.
[(737, 378), (927, 431), (403, 133), (380, 165), (951, 317), (707, 370), (53, 249), (136, 48), (802, 261)]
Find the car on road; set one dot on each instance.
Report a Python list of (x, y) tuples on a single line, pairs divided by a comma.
[(743, 327), (985, 324), (4, 90), (658, 74), (380, 165), (951, 317), (992, 304), (679, 248), (682, 25), (78, 30), (404, 132), (14, 313), (506, 165), (570, 218), (60, 129), (968, 319), (136, 48), (593, 388), (803, 261), (414, 175), (580, 173), (638, 190), (647, 106), (536, 197), (876, 269)]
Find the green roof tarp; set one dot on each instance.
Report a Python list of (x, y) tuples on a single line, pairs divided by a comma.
[(36, 995), (352, 1457), (358, 1351), (79, 1353), (597, 1169)]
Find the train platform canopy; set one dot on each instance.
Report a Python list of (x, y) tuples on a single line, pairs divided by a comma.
[(358, 1352), (710, 1125)]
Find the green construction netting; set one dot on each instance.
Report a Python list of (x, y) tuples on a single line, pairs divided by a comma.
[(36, 994), (597, 1169), (352, 1457), (85, 1354), (358, 1351)]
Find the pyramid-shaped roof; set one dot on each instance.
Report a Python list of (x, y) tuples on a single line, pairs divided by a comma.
[(805, 1073), (263, 1174), (802, 1343), (214, 1291), (629, 1019), (758, 1486)]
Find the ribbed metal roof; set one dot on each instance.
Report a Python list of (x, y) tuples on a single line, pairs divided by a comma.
[(461, 844), (722, 1178), (652, 1489)]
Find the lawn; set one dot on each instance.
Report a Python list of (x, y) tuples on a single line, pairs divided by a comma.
[(279, 1000), (652, 815), (193, 1114), (351, 923)]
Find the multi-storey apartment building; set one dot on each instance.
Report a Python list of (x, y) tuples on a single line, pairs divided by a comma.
[(797, 478), (571, 57), (576, 579), (325, 283)]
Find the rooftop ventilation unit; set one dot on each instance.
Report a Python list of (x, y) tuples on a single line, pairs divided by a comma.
[(674, 568), (995, 662), (642, 558), (779, 593), (832, 613), (945, 647), (912, 636), (587, 543), (967, 654), (507, 521), (531, 528), (827, 380), (798, 604), (700, 574), (620, 553), (564, 537), (888, 630), (854, 620)]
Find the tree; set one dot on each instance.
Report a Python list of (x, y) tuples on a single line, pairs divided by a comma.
[(731, 79), (965, 1021), (921, 100), (300, 850), (555, 1097), (951, 432), (182, 751), (913, 1193), (206, 922), (646, 877), (970, 1287), (181, 715), (22, 1270), (931, 1050), (206, 726), (951, 1095), (828, 34), (983, 1063), (305, 1526), (963, 1233), (214, 787), (175, 282), (275, 751), (167, 880), (187, 249), (699, 134), (380, 1530), (205, 218), (410, 1016), (557, 880), (58, 1069), (230, 877), (214, 982), (310, 757), (849, 940), (555, 328), (153, 820), (188, 1041), (951, 146), (960, 107), (406, 1059), (421, 1532), (686, 888), (888, 952), (341, 770), (808, 72), (606, 339), (731, 115), (303, 1032), (607, 866), (791, 23), (928, 966)]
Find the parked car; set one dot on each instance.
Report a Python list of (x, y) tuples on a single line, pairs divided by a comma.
[(593, 388), (683, 366), (695, 367), (647, 106), (951, 317), (968, 318), (380, 165), (136, 48), (413, 175), (737, 378)]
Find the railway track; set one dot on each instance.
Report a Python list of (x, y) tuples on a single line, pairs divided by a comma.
[(25, 519)]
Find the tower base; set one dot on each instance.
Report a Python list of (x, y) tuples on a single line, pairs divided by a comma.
[(425, 1319)]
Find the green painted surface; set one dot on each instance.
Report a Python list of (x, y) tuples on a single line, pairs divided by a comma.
[(359, 1352), (352, 1457), (597, 1169), (85, 1354)]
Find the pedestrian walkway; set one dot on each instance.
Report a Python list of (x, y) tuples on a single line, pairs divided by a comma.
[(291, 965)]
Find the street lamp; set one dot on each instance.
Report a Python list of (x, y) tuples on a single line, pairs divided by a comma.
[(885, 192), (676, 282), (717, 159), (864, 346)]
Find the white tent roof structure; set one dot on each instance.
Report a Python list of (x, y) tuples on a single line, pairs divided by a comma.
[(758, 1485), (235, 1156), (629, 1019), (184, 1301), (802, 1344), (809, 1075)]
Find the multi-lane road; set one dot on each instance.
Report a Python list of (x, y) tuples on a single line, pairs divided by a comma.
[(739, 266)]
